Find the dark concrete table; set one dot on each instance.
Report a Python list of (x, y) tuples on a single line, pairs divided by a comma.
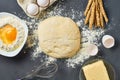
[(12, 68)]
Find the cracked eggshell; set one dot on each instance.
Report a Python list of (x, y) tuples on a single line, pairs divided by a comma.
[(108, 41), (92, 49)]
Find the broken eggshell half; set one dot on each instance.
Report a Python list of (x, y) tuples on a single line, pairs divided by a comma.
[(108, 41), (92, 49)]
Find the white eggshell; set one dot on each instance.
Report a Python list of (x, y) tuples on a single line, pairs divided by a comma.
[(108, 41), (92, 49), (33, 9), (17, 51), (43, 3)]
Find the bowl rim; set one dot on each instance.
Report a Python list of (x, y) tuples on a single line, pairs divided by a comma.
[(17, 51)]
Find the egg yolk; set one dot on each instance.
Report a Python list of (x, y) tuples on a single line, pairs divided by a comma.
[(8, 34)]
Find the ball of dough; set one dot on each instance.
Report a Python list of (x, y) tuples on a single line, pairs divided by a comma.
[(59, 37)]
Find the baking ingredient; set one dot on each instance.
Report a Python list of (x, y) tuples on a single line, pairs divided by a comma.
[(96, 71), (95, 14), (32, 9), (8, 34), (43, 3), (13, 34), (108, 41), (87, 36), (92, 49), (59, 37)]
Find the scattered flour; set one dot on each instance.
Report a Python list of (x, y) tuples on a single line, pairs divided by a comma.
[(88, 36)]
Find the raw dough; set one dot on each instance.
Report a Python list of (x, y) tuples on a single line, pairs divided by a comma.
[(24, 3), (59, 37)]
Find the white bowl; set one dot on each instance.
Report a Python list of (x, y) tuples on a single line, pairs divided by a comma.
[(16, 51)]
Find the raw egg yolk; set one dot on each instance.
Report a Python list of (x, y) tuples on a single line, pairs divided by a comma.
[(8, 34)]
